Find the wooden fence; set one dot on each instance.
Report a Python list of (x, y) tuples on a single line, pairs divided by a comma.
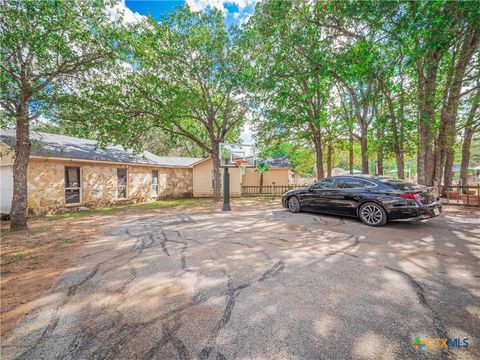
[(461, 195), (268, 190), (452, 195)]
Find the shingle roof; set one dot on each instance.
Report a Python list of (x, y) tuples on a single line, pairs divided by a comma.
[(61, 146), (277, 162)]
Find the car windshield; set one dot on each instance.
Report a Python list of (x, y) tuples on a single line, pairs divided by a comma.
[(398, 184)]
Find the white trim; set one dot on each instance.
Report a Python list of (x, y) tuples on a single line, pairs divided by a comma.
[(80, 187), (126, 185), (199, 162), (270, 167), (158, 183)]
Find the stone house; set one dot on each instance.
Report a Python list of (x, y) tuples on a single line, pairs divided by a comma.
[(66, 172)]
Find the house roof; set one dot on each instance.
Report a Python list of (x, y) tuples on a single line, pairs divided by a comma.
[(457, 168), (274, 162), (69, 147), (277, 162)]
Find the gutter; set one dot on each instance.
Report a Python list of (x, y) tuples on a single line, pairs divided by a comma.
[(110, 162)]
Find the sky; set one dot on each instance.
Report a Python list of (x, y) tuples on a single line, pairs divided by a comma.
[(235, 11)]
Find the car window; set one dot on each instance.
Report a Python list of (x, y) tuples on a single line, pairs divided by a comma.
[(346, 183), (324, 184), (397, 183)]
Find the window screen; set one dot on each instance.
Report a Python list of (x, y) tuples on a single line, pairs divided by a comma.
[(72, 185), (121, 183), (154, 182)]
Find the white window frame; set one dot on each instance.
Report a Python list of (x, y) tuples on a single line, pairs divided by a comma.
[(126, 185), (157, 193), (80, 187)]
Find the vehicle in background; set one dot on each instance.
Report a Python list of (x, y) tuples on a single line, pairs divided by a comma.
[(373, 199)]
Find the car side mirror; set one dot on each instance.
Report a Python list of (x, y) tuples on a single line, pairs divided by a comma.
[(310, 188)]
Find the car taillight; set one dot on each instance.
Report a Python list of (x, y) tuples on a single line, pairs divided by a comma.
[(409, 196)]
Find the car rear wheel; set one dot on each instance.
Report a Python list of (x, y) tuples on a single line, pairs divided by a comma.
[(293, 204), (372, 214)]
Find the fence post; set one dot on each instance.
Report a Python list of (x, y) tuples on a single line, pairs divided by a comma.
[(458, 194), (468, 197)]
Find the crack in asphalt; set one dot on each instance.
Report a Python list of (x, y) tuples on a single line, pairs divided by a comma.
[(48, 332), (231, 295), (273, 271), (438, 324), (163, 243), (87, 341), (169, 337)]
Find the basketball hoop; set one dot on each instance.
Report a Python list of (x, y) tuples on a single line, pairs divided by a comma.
[(242, 165), (240, 162), (234, 156)]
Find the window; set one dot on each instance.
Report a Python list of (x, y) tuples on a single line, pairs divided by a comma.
[(154, 182), (121, 183), (324, 184), (72, 185), (398, 184), (346, 183)]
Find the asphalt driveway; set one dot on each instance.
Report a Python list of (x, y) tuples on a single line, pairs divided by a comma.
[(261, 283)]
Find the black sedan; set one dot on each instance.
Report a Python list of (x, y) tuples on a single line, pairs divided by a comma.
[(373, 199)]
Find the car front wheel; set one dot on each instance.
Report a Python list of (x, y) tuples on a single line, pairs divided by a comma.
[(293, 205), (372, 214)]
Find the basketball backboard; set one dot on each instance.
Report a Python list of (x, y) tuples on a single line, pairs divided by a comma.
[(237, 155)]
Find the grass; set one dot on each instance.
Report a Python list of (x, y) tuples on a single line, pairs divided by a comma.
[(10, 259), (117, 208), (62, 244)]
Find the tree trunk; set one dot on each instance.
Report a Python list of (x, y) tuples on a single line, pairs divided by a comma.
[(261, 183), (217, 176), (350, 154), (397, 132), (380, 162), (364, 150), (400, 153), (446, 140), (318, 156), (380, 135), (18, 214), (467, 142), (448, 175), (329, 160), (400, 159), (469, 132), (426, 112)]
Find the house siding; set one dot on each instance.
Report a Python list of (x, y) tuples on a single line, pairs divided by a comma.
[(202, 180), (280, 176), (46, 184)]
